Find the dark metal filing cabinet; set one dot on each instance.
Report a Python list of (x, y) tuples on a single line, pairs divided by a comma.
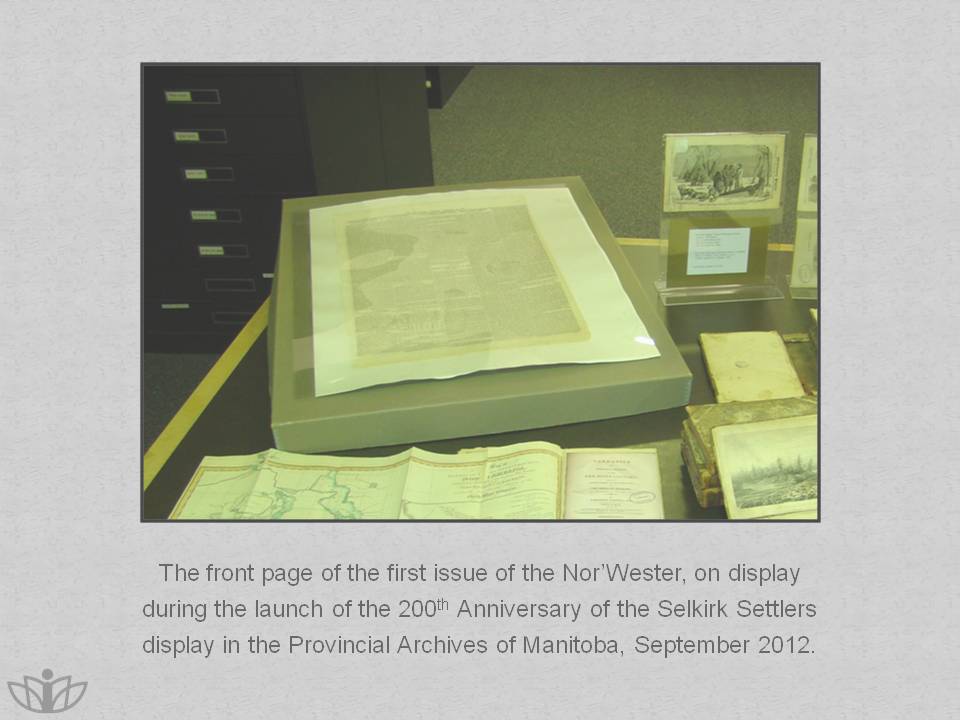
[(223, 145)]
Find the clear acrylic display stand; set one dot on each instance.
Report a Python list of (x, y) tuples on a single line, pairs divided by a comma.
[(805, 269), (721, 210)]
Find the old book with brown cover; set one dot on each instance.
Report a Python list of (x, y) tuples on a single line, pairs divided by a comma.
[(747, 366), (706, 487), (803, 355)]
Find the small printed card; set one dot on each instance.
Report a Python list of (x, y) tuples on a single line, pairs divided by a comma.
[(715, 251)]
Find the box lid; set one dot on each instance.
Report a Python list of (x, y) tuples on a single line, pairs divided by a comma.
[(481, 403)]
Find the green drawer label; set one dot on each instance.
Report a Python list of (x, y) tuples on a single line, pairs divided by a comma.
[(178, 96), (175, 306), (185, 136), (211, 250), (195, 174), (200, 215)]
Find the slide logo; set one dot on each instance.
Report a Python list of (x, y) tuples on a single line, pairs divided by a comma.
[(47, 696)]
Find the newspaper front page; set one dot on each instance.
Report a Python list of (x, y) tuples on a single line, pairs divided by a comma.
[(445, 284)]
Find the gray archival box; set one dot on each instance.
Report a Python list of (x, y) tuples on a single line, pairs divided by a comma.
[(483, 403)]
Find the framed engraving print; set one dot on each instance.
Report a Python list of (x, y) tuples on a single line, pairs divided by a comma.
[(808, 194), (723, 172), (803, 274)]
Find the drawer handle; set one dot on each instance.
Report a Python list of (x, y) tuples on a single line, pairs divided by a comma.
[(192, 97), (223, 251), (232, 215), (208, 174), (202, 136)]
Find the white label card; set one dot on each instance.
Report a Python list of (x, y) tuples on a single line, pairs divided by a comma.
[(718, 251)]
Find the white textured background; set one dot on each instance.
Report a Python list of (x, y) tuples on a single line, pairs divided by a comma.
[(75, 563)]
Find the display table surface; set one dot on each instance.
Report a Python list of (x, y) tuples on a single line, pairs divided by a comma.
[(229, 412)]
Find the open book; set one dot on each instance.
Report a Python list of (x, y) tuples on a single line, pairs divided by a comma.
[(527, 481)]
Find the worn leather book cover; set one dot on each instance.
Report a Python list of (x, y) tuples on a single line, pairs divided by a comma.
[(803, 355), (698, 455), (745, 366), (706, 487)]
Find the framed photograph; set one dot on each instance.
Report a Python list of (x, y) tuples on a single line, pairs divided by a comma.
[(806, 255), (723, 172), (809, 192), (769, 469)]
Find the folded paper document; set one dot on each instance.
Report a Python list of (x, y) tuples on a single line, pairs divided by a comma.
[(527, 481)]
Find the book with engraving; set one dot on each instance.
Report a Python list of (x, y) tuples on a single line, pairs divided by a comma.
[(697, 435), (769, 469), (526, 481), (703, 418), (746, 366)]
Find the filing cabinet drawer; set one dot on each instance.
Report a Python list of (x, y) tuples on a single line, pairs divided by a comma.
[(248, 219), (189, 262), (281, 175), (229, 259), (199, 139), (237, 287), (212, 277), (191, 315), (194, 326), (181, 93)]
